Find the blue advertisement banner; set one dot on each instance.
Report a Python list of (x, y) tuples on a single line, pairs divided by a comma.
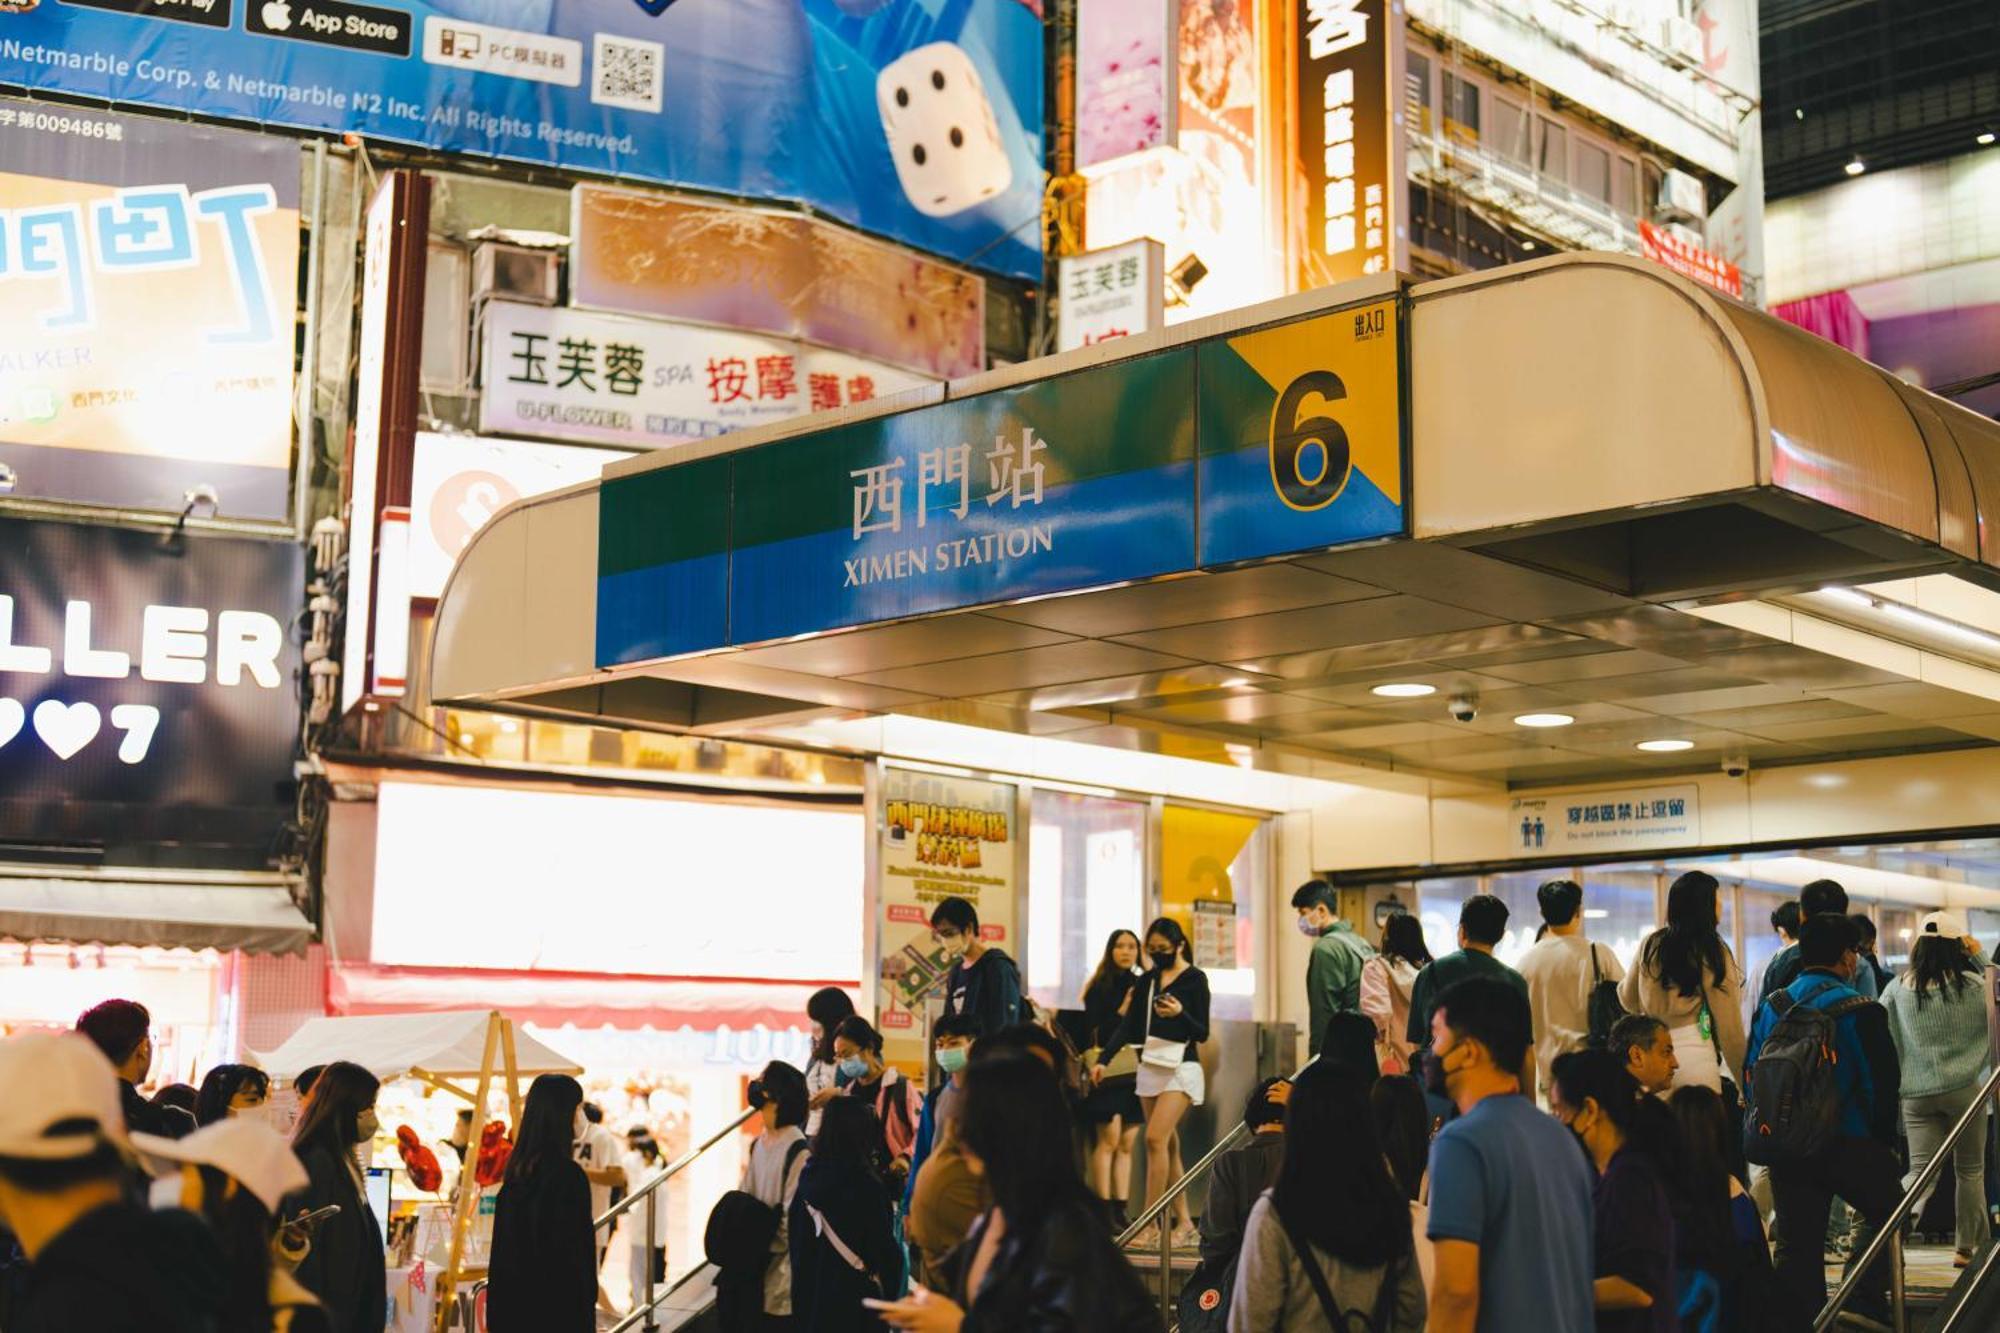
[(920, 120)]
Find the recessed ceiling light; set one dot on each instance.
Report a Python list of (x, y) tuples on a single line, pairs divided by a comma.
[(1856, 166), (1543, 720), (1984, 139), (1407, 689), (1664, 746)]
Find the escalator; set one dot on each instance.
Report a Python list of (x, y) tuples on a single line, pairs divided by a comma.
[(1973, 1303)]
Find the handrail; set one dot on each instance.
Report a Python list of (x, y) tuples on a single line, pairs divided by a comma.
[(1891, 1236), (646, 1311), (668, 1172)]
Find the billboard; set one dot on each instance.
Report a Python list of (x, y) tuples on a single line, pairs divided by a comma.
[(838, 104), (643, 384), (1125, 80), (1284, 440), (769, 272), (1347, 61), (148, 290), (149, 698)]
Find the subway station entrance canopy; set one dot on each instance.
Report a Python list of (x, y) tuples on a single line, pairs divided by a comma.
[(1581, 485)]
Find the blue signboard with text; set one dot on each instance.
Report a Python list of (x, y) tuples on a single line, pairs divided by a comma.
[(920, 120)]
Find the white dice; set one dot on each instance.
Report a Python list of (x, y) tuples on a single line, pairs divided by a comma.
[(941, 130)]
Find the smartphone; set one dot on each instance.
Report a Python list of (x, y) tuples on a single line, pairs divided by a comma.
[(315, 1217), (874, 1304)]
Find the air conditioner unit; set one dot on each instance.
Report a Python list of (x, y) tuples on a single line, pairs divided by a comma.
[(516, 273), (1682, 38), (1681, 196)]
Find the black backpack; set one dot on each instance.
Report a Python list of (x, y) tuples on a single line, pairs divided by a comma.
[(1794, 1104), (1380, 1320), (1604, 1008), (741, 1228)]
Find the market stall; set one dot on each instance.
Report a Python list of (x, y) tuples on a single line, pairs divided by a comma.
[(467, 1056)]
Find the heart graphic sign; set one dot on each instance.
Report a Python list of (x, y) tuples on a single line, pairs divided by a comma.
[(12, 717), (66, 728)]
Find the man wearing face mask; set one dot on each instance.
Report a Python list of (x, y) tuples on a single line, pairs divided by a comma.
[(1333, 977), (122, 1029), (1510, 1193), (984, 984), (945, 1195)]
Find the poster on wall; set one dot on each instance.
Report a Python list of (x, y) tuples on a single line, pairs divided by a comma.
[(1347, 63), (838, 104), (149, 705), (941, 837), (642, 383), (148, 288), (1125, 78)]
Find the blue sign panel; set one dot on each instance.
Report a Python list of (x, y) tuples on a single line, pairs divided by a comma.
[(920, 120)]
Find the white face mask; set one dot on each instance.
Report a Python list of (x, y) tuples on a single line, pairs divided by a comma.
[(165, 1192), (579, 1125)]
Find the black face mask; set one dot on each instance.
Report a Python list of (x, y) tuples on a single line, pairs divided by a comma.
[(1434, 1074), (1163, 961)]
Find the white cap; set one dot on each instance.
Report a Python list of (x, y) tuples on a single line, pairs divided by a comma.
[(1948, 924), (53, 1078), (247, 1151)]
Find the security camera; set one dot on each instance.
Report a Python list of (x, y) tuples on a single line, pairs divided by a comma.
[(1736, 766), (1464, 707)]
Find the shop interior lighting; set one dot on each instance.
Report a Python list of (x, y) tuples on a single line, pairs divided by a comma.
[(1664, 746), (1407, 689), (1985, 138), (1543, 720), (1855, 166), (919, 766)]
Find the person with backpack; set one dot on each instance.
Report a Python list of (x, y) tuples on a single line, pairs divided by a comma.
[(1572, 982), (748, 1239), (1327, 1248), (984, 982), (1824, 1111), (1388, 985), (1239, 1178), (1820, 896), (895, 1101), (842, 1227)]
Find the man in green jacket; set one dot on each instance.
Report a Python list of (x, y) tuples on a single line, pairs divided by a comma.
[(1333, 977)]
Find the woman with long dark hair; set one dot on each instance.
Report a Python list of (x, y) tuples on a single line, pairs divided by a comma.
[(231, 1090), (1937, 1016), (826, 1009), (1686, 976), (1168, 1021), (843, 1231), (344, 1267), (1332, 1238), (1112, 1109), (542, 1277), (1631, 1141), (1387, 981), (1718, 1228), (1041, 1257)]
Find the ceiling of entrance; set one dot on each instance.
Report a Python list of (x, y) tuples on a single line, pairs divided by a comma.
[(1280, 662)]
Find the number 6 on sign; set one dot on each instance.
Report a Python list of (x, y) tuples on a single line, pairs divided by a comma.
[(138, 722), (1309, 457)]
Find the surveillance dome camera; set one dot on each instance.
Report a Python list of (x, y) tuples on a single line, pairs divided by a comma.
[(1463, 707), (1736, 766)]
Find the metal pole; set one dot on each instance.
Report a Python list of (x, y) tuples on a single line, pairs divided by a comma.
[(1898, 1316), (1167, 1270), (652, 1208)]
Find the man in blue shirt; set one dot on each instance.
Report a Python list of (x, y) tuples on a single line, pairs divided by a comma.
[(1510, 1192), (1861, 1165)]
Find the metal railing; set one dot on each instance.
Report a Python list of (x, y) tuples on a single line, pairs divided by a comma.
[(646, 1311), (1890, 1238), (1188, 1179)]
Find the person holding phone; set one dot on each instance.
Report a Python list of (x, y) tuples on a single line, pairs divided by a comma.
[(1168, 1020), (345, 1266)]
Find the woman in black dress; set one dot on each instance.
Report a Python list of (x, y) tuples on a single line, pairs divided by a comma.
[(543, 1273), (344, 1267), (1112, 1109)]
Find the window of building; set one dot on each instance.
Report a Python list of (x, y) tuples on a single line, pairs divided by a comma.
[(1592, 176), (1507, 135), (1625, 187), (1552, 152), (1086, 878), (1461, 109), (1650, 176), (1417, 92)]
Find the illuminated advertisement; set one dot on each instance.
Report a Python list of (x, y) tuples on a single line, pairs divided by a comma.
[(1346, 60)]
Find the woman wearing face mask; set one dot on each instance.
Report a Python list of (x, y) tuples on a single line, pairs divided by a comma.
[(345, 1267), (1630, 1140), (824, 1010), (542, 1277), (1113, 1108), (892, 1097), (231, 1090), (1167, 1020)]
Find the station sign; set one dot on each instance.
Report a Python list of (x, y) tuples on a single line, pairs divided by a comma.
[(1245, 446), (149, 706)]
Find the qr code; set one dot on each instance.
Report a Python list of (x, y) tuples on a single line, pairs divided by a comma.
[(627, 73)]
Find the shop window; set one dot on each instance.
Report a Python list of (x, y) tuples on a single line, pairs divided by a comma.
[(1552, 150), (1417, 92), (1214, 869), (1086, 878), (1508, 133), (1650, 176), (1622, 907), (1625, 187), (1461, 109), (1593, 172)]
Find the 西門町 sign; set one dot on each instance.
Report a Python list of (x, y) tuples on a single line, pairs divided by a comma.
[(1281, 440)]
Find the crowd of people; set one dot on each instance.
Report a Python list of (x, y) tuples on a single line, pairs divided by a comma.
[(1571, 1145)]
